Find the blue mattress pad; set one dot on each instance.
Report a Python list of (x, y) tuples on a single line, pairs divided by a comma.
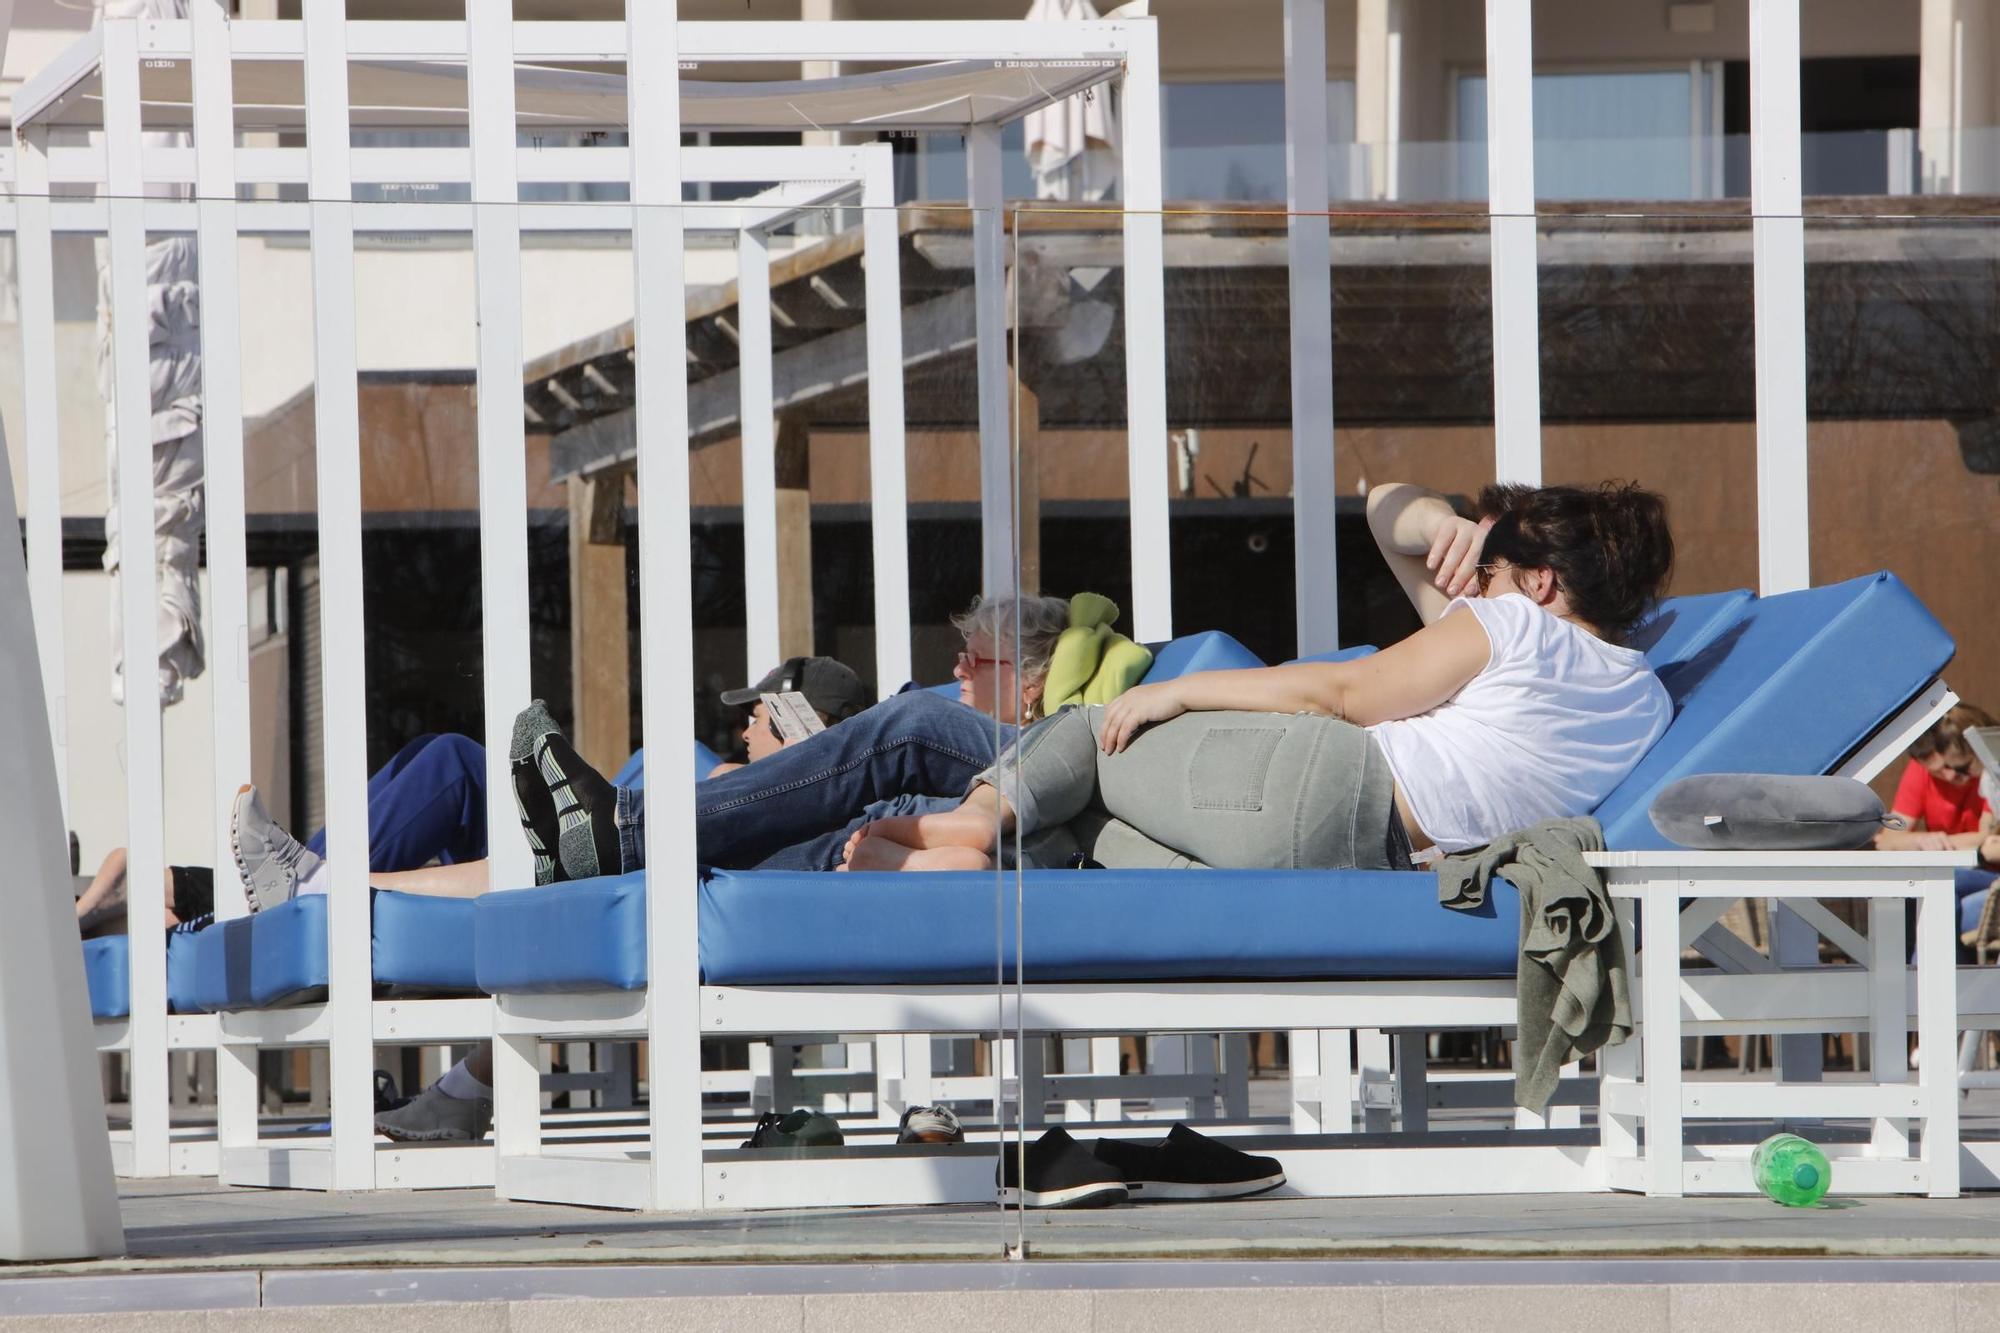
[(107, 973), (422, 946), (1790, 684), (800, 927)]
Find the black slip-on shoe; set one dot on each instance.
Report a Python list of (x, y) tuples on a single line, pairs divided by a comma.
[(1061, 1173), (1187, 1165), (796, 1129)]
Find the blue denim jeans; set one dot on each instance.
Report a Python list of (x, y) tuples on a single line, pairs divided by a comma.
[(795, 809), (427, 803)]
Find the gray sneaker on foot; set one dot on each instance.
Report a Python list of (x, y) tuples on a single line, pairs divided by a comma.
[(271, 861), (433, 1116)]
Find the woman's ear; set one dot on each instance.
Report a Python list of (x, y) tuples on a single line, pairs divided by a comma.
[(1541, 586)]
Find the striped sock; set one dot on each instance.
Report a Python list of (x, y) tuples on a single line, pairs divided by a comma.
[(586, 810)]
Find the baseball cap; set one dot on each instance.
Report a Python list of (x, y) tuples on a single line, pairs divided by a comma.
[(828, 685)]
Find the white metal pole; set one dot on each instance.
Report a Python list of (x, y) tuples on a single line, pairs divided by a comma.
[(337, 432), (666, 602), (888, 458), (222, 427), (503, 464), (35, 250), (1309, 249), (1778, 240), (760, 471), (236, 1104), (138, 592), (1146, 340), (1510, 185), (57, 1198), (998, 575)]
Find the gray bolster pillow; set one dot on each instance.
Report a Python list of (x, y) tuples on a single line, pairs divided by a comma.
[(1767, 811)]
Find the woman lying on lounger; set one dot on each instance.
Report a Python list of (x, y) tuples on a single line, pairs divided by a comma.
[(1516, 703)]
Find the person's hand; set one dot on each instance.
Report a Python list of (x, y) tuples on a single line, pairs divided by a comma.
[(1989, 852), (1929, 842), (1136, 709), (1454, 555)]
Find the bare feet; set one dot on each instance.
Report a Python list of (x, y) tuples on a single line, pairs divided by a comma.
[(953, 828), (870, 852)]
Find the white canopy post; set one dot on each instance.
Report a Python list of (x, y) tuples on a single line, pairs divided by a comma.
[(41, 443), (999, 576), (343, 669), (760, 473), (1510, 185), (1146, 341), (666, 601), (132, 411), (1309, 249), (236, 1104), (888, 458), (57, 1197), (503, 465), (1778, 243)]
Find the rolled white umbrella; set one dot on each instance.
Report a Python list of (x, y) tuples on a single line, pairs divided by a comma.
[(174, 339), (1073, 143)]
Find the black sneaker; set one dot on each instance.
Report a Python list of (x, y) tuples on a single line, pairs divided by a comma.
[(1062, 1173), (1187, 1165), (799, 1129)]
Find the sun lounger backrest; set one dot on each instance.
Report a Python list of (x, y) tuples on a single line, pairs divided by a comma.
[(1793, 685), (1210, 650), (1680, 627)]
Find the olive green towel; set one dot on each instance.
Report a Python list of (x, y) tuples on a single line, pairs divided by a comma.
[(1571, 991), (1093, 663)]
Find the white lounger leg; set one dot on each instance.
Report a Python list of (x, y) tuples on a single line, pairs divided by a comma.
[(1659, 970), (1937, 1024)]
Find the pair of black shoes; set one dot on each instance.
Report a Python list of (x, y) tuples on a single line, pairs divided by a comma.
[(1063, 1173)]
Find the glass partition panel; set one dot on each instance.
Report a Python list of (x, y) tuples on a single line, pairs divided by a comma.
[(1649, 374), (1905, 469)]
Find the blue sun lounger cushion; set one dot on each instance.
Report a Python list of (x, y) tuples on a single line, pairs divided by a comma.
[(422, 946), (1792, 683), (107, 972)]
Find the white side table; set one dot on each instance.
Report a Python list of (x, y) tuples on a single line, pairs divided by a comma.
[(1677, 897)]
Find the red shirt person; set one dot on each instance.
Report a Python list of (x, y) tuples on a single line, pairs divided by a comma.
[(1939, 797)]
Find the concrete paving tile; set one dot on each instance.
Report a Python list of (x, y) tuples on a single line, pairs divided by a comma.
[(949, 1312), (416, 1317), (1978, 1305), (1456, 1309), (667, 1314), (1268, 1310), (1824, 1307)]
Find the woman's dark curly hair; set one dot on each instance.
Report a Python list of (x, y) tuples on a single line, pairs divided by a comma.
[(1607, 545)]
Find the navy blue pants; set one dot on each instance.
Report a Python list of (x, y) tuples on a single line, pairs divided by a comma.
[(426, 804)]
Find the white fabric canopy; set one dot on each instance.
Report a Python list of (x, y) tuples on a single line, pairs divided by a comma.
[(945, 95)]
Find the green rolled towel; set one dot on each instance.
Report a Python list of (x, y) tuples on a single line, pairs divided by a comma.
[(1093, 663)]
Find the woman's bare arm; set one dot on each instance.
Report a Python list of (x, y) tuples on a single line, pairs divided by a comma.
[(1429, 548), (1411, 677)]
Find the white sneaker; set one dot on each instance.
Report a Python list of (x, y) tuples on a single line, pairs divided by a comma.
[(271, 860)]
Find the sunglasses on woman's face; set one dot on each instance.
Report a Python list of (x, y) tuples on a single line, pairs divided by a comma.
[(972, 663), (1483, 575)]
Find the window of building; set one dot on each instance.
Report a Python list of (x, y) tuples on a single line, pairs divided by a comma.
[(1609, 134)]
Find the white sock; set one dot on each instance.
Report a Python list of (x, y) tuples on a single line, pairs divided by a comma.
[(316, 882), (458, 1082)]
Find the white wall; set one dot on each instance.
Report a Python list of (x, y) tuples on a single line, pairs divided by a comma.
[(96, 731)]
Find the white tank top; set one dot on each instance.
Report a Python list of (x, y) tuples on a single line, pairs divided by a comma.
[(1554, 721)]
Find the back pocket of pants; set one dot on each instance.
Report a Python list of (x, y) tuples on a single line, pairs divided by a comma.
[(1229, 766)]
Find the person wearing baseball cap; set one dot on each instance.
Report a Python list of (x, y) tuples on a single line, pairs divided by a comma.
[(829, 685)]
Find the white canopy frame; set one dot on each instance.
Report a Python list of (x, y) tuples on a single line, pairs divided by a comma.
[(813, 177)]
